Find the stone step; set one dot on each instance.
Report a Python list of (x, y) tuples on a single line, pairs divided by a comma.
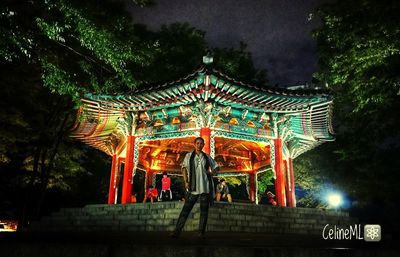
[(162, 216), (212, 216), (176, 211), (192, 227)]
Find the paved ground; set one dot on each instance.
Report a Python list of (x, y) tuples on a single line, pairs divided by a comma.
[(153, 244), (191, 239)]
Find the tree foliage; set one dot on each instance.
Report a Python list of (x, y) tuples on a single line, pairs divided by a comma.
[(264, 183), (359, 55), (360, 52), (51, 53), (80, 46), (36, 149), (179, 49), (314, 173), (238, 64)]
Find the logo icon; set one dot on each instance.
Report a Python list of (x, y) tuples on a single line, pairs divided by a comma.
[(372, 233)]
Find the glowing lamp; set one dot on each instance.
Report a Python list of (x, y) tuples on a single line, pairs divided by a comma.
[(208, 59), (335, 200)]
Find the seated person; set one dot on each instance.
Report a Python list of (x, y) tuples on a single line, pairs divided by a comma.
[(270, 198), (151, 194), (133, 198), (166, 193), (223, 192)]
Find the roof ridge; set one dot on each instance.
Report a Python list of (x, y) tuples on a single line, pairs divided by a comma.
[(191, 75), (212, 71), (275, 90)]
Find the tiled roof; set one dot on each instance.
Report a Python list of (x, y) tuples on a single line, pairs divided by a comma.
[(309, 109)]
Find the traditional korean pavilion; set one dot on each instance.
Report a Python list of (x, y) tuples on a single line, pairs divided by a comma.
[(247, 129)]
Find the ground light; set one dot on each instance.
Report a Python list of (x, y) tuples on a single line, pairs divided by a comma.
[(335, 200), (8, 226)]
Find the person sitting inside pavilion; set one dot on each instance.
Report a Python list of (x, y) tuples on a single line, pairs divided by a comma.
[(151, 194), (223, 192), (268, 198)]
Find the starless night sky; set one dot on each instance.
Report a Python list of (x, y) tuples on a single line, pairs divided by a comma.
[(277, 32)]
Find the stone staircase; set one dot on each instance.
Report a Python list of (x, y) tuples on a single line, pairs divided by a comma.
[(162, 216)]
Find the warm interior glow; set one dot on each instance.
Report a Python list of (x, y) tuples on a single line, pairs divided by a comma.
[(155, 165), (234, 121), (156, 152), (158, 123), (246, 166), (251, 124), (8, 225), (176, 120)]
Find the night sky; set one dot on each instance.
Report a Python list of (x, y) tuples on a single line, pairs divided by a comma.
[(278, 33)]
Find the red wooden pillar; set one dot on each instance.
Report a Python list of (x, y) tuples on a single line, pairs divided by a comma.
[(287, 181), (252, 187), (205, 133), (113, 180), (128, 169), (280, 176), (291, 190)]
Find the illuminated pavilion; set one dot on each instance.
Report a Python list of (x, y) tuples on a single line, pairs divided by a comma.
[(247, 129)]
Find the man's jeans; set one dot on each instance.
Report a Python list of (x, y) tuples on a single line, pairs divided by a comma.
[(189, 203)]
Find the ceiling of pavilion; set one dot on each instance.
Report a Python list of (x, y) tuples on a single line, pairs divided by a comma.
[(230, 154)]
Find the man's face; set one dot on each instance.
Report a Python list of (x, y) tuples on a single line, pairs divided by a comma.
[(198, 145)]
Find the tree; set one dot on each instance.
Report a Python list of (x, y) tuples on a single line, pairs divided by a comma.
[(33, 126), (238, 64), (179, 49), (359, 54), (51, 53), (178, 52), (71, 48), (80, 46), (314, 173), (264, 181)]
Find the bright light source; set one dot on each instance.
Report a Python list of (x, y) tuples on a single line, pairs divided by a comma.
[(207, 59), (335, 200)]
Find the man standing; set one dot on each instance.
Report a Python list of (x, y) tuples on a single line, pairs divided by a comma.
[(197, 169), (165, 188)]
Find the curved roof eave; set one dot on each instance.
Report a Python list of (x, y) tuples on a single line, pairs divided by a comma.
[(204, 70)]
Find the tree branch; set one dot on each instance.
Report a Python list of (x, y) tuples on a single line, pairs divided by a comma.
[(84, 56)]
